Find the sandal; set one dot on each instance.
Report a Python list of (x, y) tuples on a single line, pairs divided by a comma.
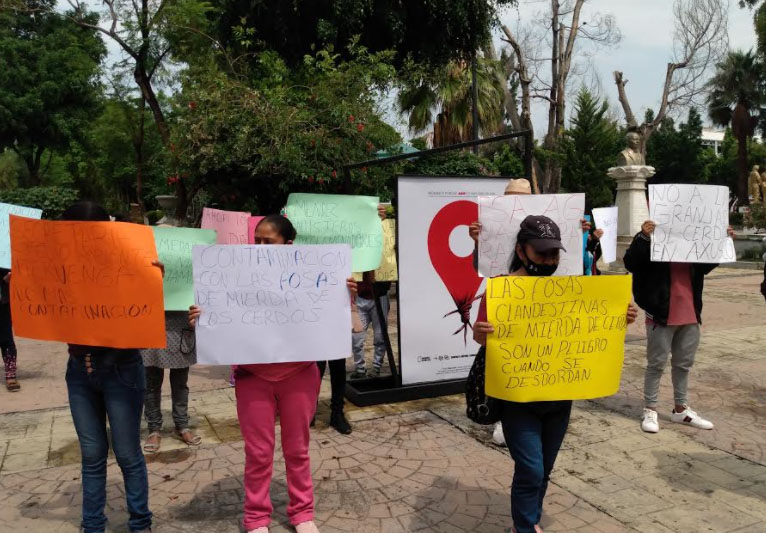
[(12, 385), (152, 447), (188, 436)]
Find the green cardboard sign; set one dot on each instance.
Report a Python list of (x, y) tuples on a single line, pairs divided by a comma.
[(174, 248), (337, 219)]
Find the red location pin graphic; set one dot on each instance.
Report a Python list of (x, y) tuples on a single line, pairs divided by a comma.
[(456, 272)]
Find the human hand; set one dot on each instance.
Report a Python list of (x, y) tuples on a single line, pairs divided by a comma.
[(352, 288), (598, 233), (632, 313), (474, 229), (160, 265), (382, 211), (7, 278), (647, 228), (194, 313), (481, 330), (730, 232), (585, 225)]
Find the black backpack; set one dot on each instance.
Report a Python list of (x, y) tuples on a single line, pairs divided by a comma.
[(478, 406)]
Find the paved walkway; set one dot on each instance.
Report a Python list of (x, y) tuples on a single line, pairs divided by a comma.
[(422, 466)]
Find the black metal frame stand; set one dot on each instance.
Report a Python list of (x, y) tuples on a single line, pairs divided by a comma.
[(389, 389)]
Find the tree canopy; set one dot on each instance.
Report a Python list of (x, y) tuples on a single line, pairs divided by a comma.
[(49, 84)]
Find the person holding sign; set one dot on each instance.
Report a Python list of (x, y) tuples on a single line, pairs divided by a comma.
[(7, 343), (671, 296), (104, 382), (263, 391), (533, 431)]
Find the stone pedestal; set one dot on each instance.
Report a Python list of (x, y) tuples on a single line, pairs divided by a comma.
[(631, 202), (168, 204)]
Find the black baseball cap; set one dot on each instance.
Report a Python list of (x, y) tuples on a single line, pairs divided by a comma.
[(541, 233)]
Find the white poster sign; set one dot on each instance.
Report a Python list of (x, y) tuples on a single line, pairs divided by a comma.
[(691, 222), (605, 219), (500, 217), (272, 304), (6, 210), (438, 284)]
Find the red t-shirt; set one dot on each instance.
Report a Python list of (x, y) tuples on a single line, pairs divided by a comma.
[(273, 371), (681, 310)]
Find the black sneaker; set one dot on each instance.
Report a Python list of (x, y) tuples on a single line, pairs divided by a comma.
[(339, 422), (374, 373), (357, 374)]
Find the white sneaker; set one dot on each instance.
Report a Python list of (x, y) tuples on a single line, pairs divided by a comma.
[(690, 418), (307, 527), (498, 437), (649, 423)]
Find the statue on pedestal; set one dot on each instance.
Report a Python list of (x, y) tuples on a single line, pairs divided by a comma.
[(754, 185), (631, 155)]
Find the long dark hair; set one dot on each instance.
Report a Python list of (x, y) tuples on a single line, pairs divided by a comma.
[(85, 210), (283, 226)]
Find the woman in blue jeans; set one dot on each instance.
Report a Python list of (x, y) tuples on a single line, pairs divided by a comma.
[(533, 431), (103, 383)]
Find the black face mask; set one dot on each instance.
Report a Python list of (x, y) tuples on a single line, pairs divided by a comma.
[(538, 269)]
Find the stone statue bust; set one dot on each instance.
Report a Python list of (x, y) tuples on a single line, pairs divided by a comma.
[(754, 185), (632, 154)]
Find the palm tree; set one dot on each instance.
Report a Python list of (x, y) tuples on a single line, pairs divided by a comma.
[(448, 95), (736, 98)]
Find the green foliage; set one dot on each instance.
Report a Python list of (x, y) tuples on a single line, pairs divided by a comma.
[(52, 200), (457, 163), (755, 216), (507, 162), (250, 143), (48, 80), (590, 145), (677, 153), (736, 219), (425, 31)]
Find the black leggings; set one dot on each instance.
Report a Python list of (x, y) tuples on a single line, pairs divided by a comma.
[(337, 382)]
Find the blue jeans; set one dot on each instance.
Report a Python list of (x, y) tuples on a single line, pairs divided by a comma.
[(533, 433), (114, 389)]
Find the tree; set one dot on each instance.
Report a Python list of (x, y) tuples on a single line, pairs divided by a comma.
[(449, 92), (590, 145), (250, 142), (759, 21), (737, 98), (559, 33), (432, 32), (48, 82), (699, 41), (148, 31), (677, 153)]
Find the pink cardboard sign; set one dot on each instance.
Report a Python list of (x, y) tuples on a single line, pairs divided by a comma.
[(252, 222), (230, 226)]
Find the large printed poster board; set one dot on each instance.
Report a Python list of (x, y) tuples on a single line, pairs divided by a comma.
[(437, 280)]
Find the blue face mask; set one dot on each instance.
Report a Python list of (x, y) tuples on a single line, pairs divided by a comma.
[(538, 269)]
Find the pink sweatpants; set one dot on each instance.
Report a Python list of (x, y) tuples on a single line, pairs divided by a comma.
[(258, 402)]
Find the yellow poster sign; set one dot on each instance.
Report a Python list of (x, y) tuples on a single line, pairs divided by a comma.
[(387, 270), (556, 338)]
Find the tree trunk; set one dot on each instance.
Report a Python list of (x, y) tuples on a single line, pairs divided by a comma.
[(742, 172), (32, 158), (138, 148)]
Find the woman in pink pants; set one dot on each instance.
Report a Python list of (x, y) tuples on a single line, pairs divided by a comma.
[(263, 390)]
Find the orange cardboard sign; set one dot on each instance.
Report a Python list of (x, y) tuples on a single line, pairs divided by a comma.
[(90, 283)]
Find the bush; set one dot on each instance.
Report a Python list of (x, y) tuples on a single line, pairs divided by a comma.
[(52, 200), (457, 163), (737, 219), (755, 217)]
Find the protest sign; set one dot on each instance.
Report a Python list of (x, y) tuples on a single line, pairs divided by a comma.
[(691, 223), (606, 220), (252, 223), (387, 269), (174, 247), (230, 226), (557, 338), (6, 210), (501, 216), (335, 219), (90, 283), (271, 304), (438, 283)]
